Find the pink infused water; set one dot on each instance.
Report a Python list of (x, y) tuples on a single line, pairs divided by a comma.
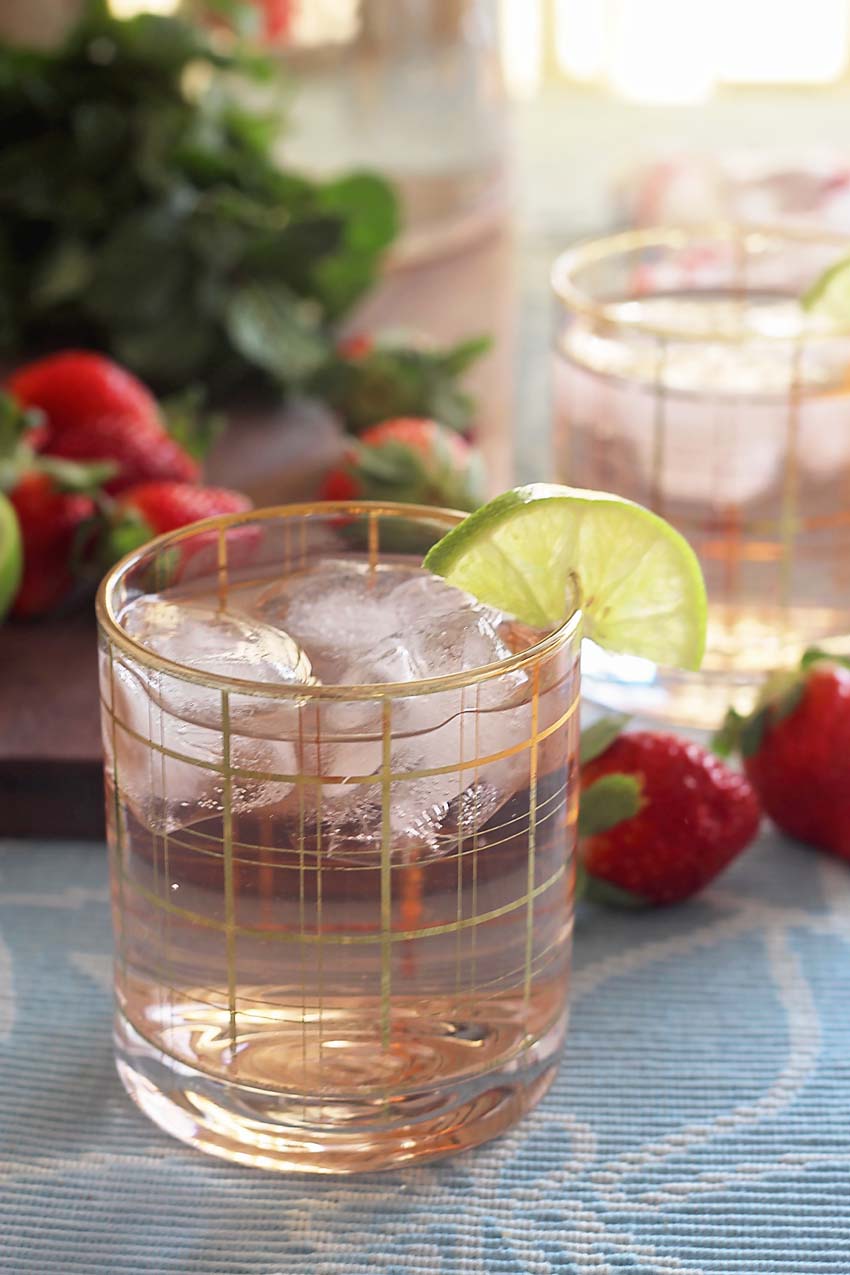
[(342, 916)]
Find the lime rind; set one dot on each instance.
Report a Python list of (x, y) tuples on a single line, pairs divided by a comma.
[(640, 587), (829, 295), (11, 555)]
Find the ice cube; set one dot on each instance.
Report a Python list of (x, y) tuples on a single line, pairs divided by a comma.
[(436, 629), (206, 638), (169, 748), (335, 610)]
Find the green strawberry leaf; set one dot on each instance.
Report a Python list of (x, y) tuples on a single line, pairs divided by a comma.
[(15, 422), (395, 380), (814, 655), (459, 358), (189, 425), (608, 801), (122, 530), (16, 455), (85, 478), (752, 732), (597, 890), (597, 738), (727, 740)]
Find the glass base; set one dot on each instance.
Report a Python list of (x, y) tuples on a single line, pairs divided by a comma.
[(320, 1134)]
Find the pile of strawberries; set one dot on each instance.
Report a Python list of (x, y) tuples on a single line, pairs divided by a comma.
[(661, 817), (91, 471)]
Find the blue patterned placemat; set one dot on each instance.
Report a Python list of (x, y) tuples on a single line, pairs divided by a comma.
[(700, 1124)]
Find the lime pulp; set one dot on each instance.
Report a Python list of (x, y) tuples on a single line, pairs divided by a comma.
[(637, 580)]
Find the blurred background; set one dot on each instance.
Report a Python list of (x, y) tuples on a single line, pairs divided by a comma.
[(552, 118), (495, 134)]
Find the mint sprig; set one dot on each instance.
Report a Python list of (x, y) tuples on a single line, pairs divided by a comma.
[(143, 212)]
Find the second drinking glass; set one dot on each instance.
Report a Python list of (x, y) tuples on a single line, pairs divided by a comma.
[(689, 378)]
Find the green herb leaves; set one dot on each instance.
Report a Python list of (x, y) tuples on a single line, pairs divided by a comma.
[(143, 212)]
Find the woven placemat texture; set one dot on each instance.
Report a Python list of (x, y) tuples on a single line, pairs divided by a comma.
[(700, 1124)]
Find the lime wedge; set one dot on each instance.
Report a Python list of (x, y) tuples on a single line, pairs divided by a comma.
[(11, 557), (638, 581), (829, 295)]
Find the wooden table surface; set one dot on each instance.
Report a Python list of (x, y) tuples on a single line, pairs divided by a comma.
[(50, 781)]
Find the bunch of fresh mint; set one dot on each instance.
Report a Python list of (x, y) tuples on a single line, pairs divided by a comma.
[(142, 213)]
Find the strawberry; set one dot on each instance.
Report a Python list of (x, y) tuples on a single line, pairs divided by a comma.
[(165, 506), (409, 459), (660, 817), (51, 522), (150, 509), (796, 751), (76, 387), (143, 451), (95, 410)]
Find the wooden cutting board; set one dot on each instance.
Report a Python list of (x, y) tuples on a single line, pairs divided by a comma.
[(50, 779)]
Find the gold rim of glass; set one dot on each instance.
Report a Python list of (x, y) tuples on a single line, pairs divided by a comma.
[(110, 624), (750, 238)]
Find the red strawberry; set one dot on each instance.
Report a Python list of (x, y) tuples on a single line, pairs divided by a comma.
[(150, 509), (660, 816), (50, 521), (143, 451), (796, 751), (75, 387), (409, 459), (95, 410), (166, 506)]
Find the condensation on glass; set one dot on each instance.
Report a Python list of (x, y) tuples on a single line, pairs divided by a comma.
[(413, 89)]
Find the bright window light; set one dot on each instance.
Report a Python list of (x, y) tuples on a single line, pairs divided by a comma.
[(662, 50), (580, 37), (677, 50), (325, 22), (782, 41), (130, 8), (521, 35)]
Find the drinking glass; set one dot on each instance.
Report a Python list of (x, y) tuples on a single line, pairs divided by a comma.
[(342, 912), (689, 378)]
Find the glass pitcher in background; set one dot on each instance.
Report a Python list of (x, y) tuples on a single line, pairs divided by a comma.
[(411, 88)]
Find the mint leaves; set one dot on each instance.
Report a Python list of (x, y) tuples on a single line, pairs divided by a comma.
[(142, 212)]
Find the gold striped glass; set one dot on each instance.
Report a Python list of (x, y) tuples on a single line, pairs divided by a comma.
[(688, 378), (342, 912)]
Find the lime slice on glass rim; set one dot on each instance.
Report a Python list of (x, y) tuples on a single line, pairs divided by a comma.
[(640, 587), (11, 555), (829, 295)]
